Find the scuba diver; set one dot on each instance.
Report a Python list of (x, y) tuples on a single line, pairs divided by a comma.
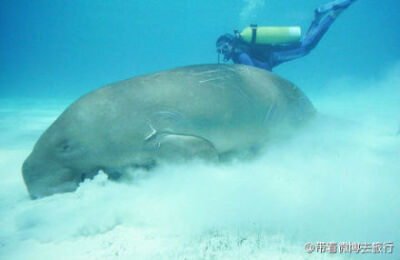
[(266, 47)]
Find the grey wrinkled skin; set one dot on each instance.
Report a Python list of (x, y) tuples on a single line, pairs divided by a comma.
[(211, 112)]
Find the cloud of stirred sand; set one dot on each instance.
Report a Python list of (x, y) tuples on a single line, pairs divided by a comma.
[(335, 181)]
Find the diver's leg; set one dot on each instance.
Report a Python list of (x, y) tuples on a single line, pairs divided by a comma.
[(333, 9), (308, 42), (315, 33), (318, 28)]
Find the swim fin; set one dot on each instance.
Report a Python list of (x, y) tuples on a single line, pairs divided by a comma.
[(334, 5)]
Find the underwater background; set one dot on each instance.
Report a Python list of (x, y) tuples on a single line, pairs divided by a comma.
[(335, 181)]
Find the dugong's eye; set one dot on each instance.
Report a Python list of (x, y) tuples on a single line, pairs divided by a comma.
[(69, 148), (64, 146)]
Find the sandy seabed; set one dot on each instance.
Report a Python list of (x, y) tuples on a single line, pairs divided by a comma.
[(335, 181)]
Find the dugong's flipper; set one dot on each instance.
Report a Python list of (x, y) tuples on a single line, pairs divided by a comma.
[(179, 148)]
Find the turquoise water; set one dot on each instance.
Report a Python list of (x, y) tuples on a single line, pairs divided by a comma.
[(56, 48), (335, 181)]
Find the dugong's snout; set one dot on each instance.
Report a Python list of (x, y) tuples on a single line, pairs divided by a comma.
[(45, 181)]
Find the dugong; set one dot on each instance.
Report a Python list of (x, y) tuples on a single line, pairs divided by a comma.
[(210, 112)]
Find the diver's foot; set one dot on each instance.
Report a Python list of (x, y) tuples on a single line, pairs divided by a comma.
[(318, 15), (334, 14), (343, 4), (332, 6)]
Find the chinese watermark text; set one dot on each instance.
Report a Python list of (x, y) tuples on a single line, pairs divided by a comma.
[(349, 247)]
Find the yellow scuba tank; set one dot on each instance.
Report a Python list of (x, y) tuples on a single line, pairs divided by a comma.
[(271, 34)]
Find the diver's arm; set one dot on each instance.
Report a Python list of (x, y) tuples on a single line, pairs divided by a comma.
[(243, 58), (279, 57)]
